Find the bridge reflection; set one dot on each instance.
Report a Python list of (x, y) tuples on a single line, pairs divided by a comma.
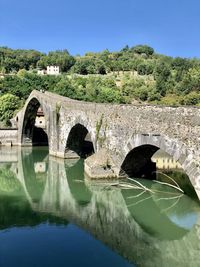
[(138, 225)]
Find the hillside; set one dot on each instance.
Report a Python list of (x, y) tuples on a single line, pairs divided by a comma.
[(135, 74)]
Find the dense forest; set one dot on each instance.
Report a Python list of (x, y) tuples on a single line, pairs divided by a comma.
[(133, 75)]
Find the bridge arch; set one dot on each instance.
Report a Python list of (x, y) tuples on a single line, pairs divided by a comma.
[(79, 142), (136, 156), (137, 162), (29, 132)]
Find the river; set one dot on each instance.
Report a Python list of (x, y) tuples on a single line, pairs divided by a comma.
[(51, 215)]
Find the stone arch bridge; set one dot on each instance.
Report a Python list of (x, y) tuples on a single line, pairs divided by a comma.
[(121, 138)]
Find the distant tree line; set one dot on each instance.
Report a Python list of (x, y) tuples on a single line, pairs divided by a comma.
[(131, 75)]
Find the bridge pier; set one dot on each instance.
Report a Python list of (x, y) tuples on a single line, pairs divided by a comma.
[(57, 154), (101, 165)]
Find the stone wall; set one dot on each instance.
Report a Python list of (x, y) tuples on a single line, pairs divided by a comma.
[(8, 137)]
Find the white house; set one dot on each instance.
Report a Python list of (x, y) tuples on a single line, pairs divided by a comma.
[(40, 119), (41, 72), (53, 70), (164, 161)]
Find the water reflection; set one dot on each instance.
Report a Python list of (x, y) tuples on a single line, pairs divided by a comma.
[(147, 229), (167, 167)]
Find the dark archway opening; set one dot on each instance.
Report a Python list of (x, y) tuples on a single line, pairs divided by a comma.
[(138, 162), (40, 138), (79, 141), (34, 127), (150, 162)]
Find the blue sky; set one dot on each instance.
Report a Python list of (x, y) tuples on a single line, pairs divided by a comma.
[(171, 27)]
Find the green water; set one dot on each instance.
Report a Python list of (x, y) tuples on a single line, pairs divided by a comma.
[(50, 215)]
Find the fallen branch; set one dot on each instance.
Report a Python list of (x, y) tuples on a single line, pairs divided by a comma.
[(138, 195), (168, 198), (169, 178), (174, 204), (178, 188), (139, 201), (144, 187)]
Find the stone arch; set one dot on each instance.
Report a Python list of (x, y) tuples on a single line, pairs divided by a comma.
[(79, 142), (137, 162), (28, 131), (148, 144)]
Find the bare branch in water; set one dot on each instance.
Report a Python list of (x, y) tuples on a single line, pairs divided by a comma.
[(144, 187), (178, 188), (169, 178)]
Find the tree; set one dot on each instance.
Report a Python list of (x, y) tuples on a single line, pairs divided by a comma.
[(83, 66), (145, 69), (8, 105), (61, 58), (100, 67), (192, 98), (125, 48), (110, 96), (143, 49), (181, 63), (190, 82), (14, 60), (65, 88), (162, 75)]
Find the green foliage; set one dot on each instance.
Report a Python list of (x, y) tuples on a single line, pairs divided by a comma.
[(24, 82), (179, 63), (98, 126), (162, 75), (65, 88), (141, 93), (61, 58), (145, 69), (8, 105), (89, 65), (84, 66), (130, 75), (143, 49), (192, 98), (190, 81), (169, 100), (109, 95), (14, 60), (153, 95)]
